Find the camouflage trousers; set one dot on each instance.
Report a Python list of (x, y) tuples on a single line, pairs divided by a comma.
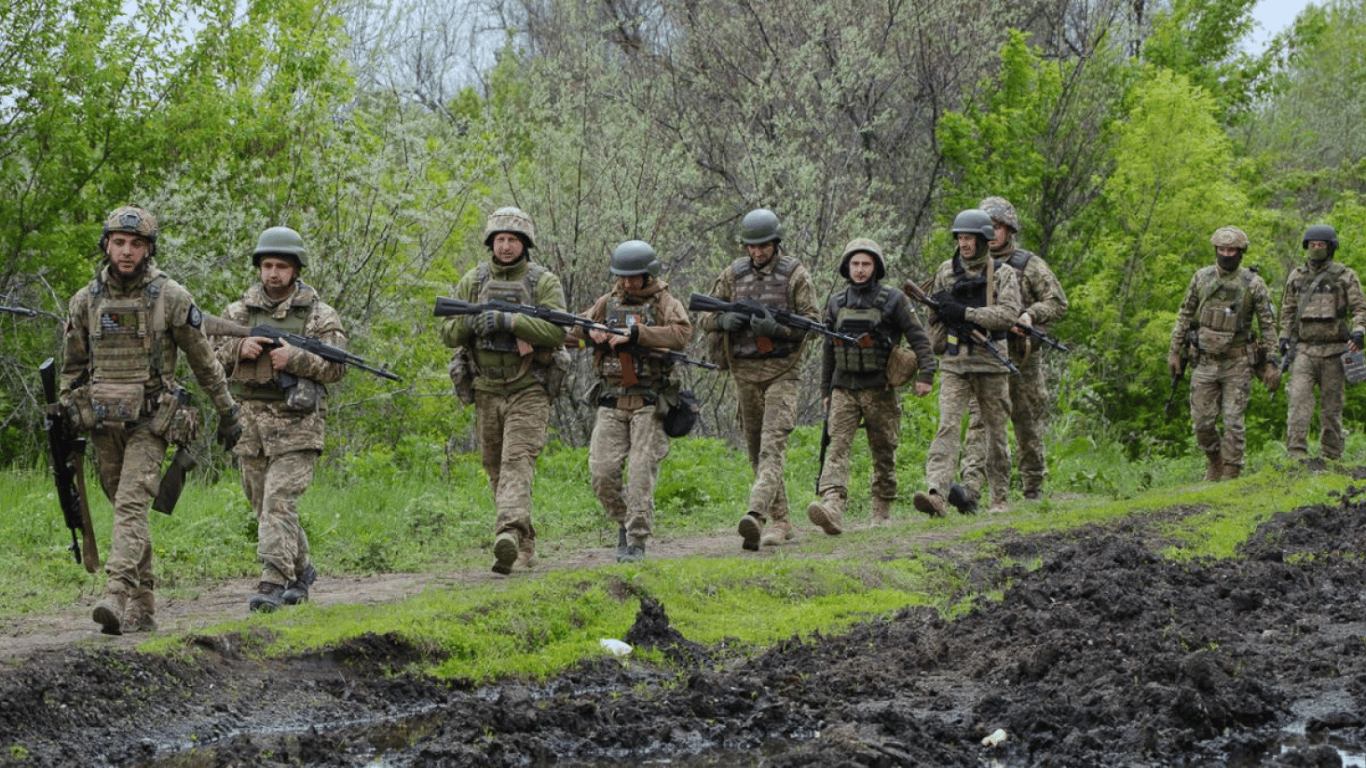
[(1029, 417), (1220, 388), (130, 468), (636, 441), (512, 432), (768, 413), (957, 391), (273, 485), (880, 412), (1306, 372)]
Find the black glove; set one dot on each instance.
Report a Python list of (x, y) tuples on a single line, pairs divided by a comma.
[(1357, 338), (229, 429), (952, 311), (765, 325), (731, 322), (1285, 347)]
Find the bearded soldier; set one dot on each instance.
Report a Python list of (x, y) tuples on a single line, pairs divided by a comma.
[(633, 390), (1325, 315), (1215, 324), (118, 382), (283, 425), (1044, 302), (513, 358), (979, 300), (854, 382), (765, 358)]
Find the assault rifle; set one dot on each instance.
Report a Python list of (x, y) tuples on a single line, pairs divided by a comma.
[(25, 311), (973, 334), (447, 307), (1176, 379), (701, 302), (66, 448), (1041, 337), (628, 369), (217, 326)]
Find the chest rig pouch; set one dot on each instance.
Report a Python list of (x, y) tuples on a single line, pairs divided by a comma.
[(1318, 309), (872, 352), (1222, 315), (622, 372), (770, 290), (258, 380), (496, 357), (127, 351)]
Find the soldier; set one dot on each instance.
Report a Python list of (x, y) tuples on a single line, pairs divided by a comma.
[(118, 381), (1044, 302), (979, 300), (1215, 321), (854, 382), (765, 358), (283, 425), (1325, 315), (516, 374), (633, 391)]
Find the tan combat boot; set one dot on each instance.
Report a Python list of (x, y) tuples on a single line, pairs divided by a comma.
[(882, 511), (526, 553), (108, 612), (506, 548), (751, 530), (824, 518), (931, 504), (1231, 471), (777, 533), (1214, 470), (141, 612)]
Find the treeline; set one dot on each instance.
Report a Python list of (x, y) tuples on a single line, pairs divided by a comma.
[(1124, 134)]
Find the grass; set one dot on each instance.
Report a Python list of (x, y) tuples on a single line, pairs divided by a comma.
[(364, 520)]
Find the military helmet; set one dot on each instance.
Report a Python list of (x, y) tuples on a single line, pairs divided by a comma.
[(280, 241), (510, 219), (634, 257), (1321, 232), (760, 226), (868, 246), (1229, 237), (1001, 212), (974, 221), (133, 220)]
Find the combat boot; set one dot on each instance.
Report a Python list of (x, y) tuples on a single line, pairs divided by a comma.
[(526, 552), (823, 518), (268, 597), (964, 500), (882, 511), (751, 529), (1232, 471), (777, 533), (930, 503), (297, 591), (621, 541), (1214, 469), (140, 614), (108, 612), (505, 551), (633, 553)]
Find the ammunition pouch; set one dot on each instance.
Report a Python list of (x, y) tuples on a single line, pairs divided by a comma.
[(462, 377), (80, 412), (117, 401), (552, 376), (174, 419), (304, 395), (1216, 345)]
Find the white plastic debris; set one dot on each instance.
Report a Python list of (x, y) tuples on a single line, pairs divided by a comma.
[(996, 737), (615, 647)]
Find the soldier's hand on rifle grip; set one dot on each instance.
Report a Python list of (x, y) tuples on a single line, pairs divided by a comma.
[(731, 322), (492, 321), (1174, 365), (229, 429), (765, 325), (952, 311)]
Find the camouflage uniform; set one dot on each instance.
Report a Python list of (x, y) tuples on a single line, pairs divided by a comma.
[(1322, 307), (1045, 302), (854, 378), (511, 400), (280, 444), (1217, 312), (968, 373), (124, 335), (767, 384), (629, 429)]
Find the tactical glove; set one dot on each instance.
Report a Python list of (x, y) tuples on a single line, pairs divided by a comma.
[(229, 429), (1357, 338), (765, 325), (731, 322), (952, 311), (492, 321)]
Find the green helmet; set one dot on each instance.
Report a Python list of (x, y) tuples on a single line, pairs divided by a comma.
[(1229, 237), (1001, 212), (134, 221), (868, 246), (634, 257), (280, 241), (1322, 232), (974, 221), (760, 226), (510, 219)]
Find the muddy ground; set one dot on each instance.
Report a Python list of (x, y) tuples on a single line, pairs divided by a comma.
[(1106, 655)]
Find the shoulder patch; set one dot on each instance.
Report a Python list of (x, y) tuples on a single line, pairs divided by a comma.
[(194, 318)]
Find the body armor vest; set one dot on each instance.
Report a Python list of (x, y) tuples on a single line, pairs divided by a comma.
[(495, 355), (257, 379), (1322, 308), (770, 290), (855, 358), (972, 291), (1222, 315), (652, 374), (127, 336)]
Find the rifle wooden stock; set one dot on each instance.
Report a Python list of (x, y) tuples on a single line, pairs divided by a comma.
[(217, 326)]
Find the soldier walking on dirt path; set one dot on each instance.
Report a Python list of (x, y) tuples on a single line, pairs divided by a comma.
[(1044, 302), (1215, 327), (979, 300), (765, 358), (1324, 315), (854, 382), (514, 360), (633, 390), (122, 339), (283, 426)]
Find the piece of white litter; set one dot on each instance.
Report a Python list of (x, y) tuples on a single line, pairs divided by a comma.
[(615, 647), (997, 736)]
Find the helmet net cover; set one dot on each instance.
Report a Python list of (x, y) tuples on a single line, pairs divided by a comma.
[(510, 219)]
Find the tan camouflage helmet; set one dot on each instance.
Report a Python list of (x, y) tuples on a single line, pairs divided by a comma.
[(1001, 212), (1229, 237), (510, 219), (868, 246), (130, 219)]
